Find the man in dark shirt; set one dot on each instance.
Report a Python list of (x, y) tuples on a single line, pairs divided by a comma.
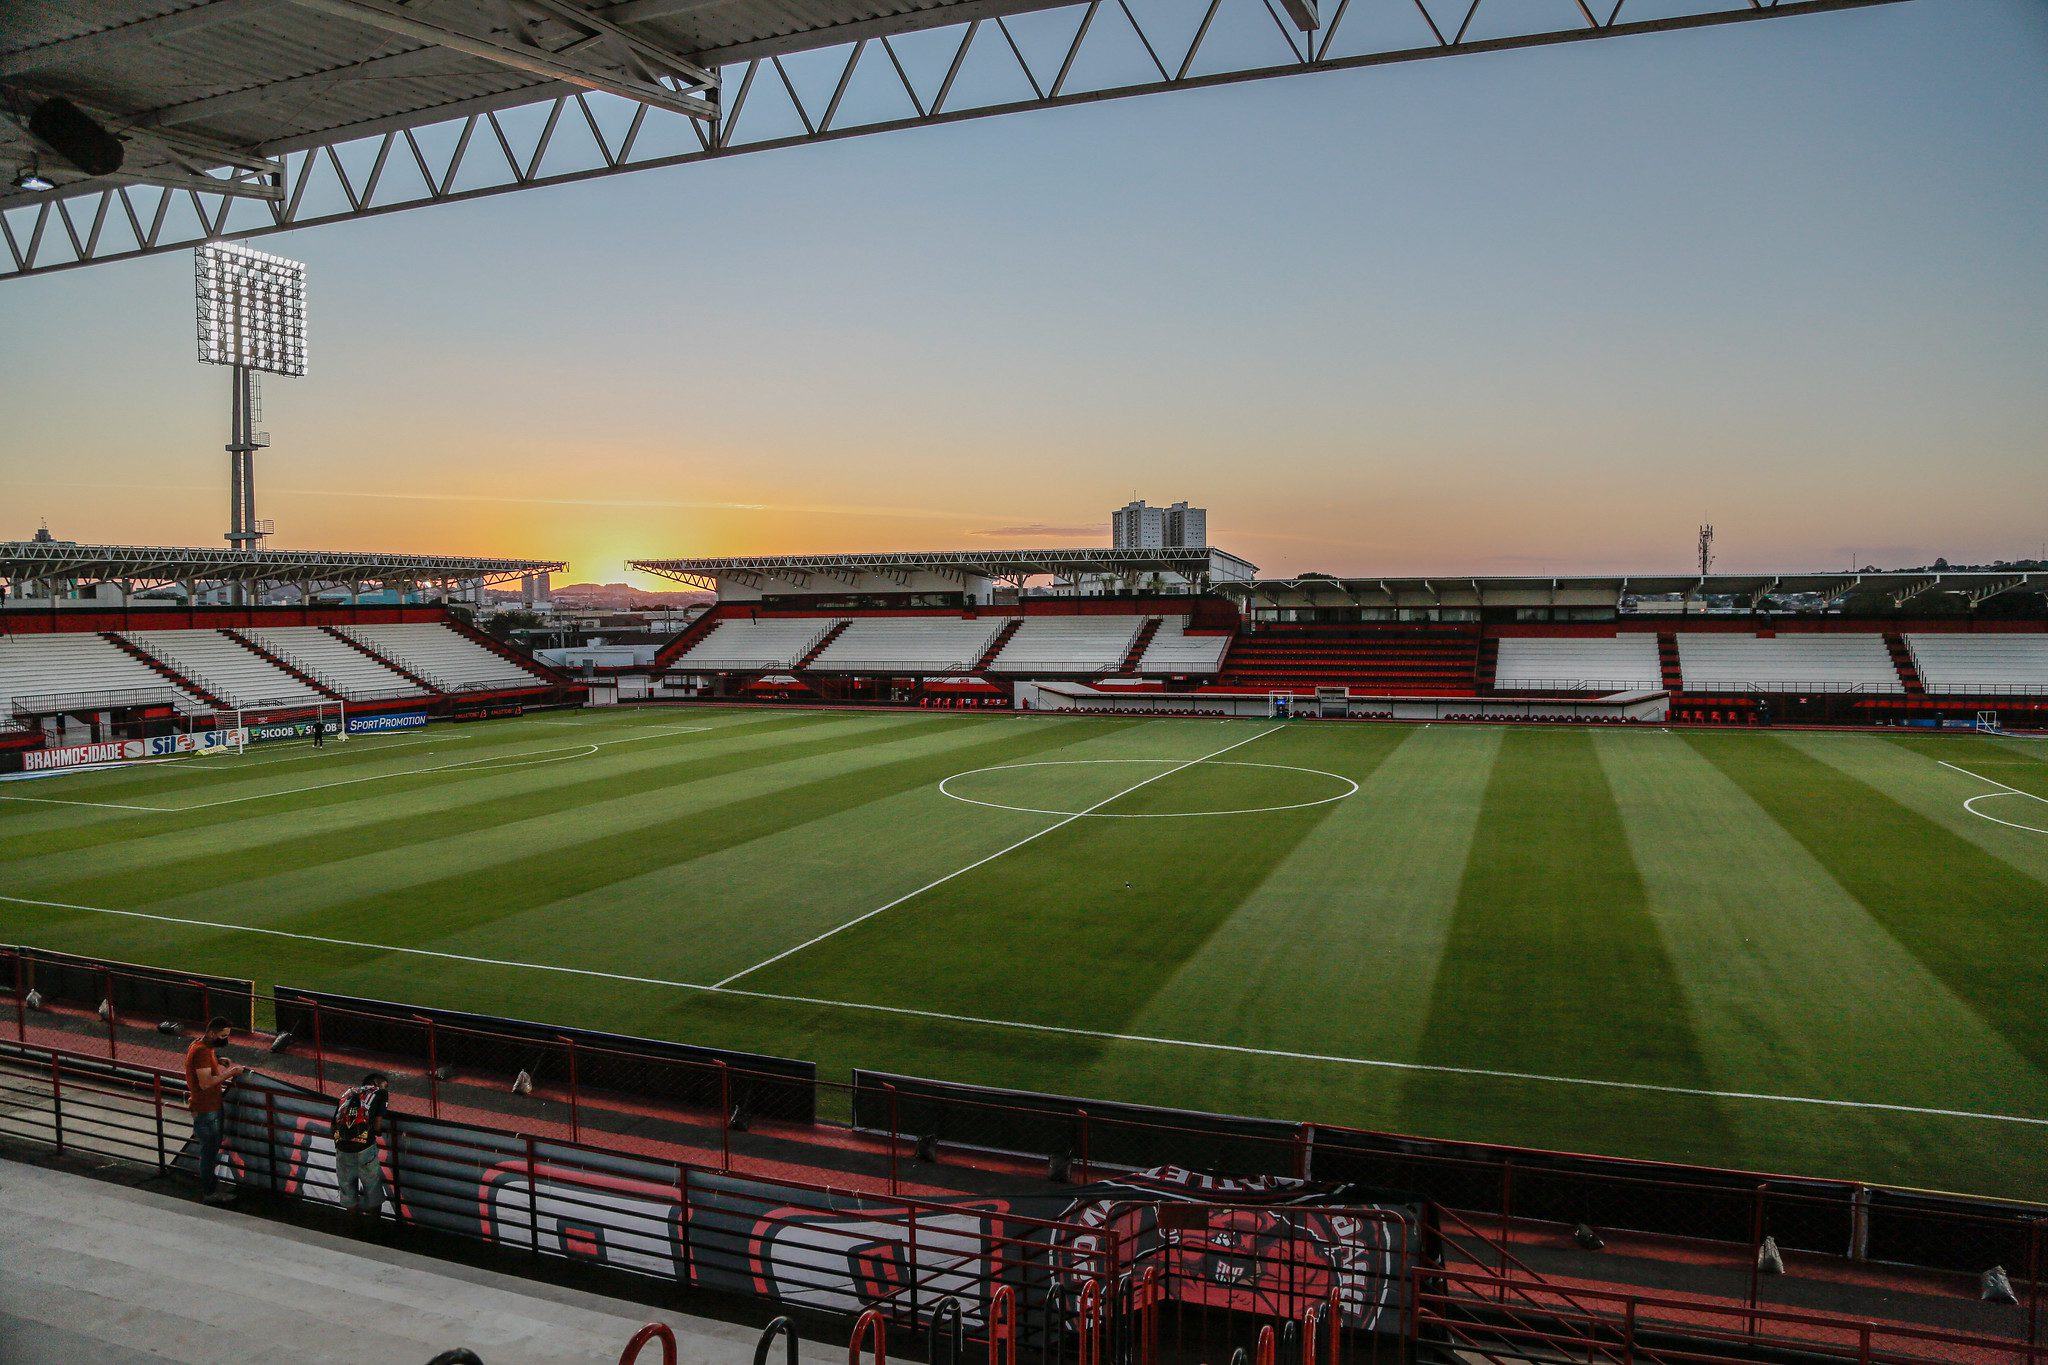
[(206, 1082), (358, 1123)]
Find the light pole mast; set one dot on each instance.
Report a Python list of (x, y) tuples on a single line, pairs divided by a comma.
[(252, 318)]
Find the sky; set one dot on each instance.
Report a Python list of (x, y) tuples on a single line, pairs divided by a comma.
[(1528, 312)]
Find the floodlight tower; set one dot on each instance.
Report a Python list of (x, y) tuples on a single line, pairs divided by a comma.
[(252, 317)]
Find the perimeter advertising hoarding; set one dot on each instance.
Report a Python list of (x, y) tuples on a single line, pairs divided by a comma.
[(386, 720), (290, 729), (131, 750)]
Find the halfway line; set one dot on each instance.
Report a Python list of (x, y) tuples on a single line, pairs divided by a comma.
[(958, 871)]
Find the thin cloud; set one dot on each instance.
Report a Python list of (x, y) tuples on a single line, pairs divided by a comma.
[(1039, 529)]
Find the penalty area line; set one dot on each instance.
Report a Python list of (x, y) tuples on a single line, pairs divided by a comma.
[(1061, 1030)]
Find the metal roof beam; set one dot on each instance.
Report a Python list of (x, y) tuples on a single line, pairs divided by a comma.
[(534, 60), (89, 46)]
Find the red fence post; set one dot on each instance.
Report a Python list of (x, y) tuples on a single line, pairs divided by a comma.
[(156, 1095), (893, 1143), (1507, 1206), (20, 1001), (532, 1199), (319, 1053), (1002, 1327), (725, 1117), (433, 1066), (113, 1041), (57, 1099), (2034, 1269), (575, 1108), (1756, 1252), (1628, 1335)]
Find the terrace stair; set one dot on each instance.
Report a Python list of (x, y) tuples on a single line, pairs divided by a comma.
[(988, 657), (129, 646), (1488, 667), (308, 679), (1138, 646), (390, 663), (1667, 662), (838, 629), (1902, 659)]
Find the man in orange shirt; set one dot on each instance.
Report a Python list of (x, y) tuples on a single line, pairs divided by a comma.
[(206, 1079)]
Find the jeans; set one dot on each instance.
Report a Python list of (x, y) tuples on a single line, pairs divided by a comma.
[(206, 1132), (353, 1168)]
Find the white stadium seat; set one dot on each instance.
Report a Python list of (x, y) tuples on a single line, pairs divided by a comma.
[(82, 665), (781, 642), (1980, 663), (334, 663), (1716, 662), (910, 644), (224, 666), (1173, 650), (449, 660), (1068, 644), (1617, 663)]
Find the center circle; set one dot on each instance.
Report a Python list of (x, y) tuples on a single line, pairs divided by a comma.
[(945, 787)]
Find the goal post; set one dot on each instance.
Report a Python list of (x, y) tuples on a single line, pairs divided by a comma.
[(311, 722), (1987, 722)]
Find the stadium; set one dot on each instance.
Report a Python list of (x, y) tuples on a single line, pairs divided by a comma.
[(997, 953)]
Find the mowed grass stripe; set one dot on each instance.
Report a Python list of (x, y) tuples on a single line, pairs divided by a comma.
[(1553, 963), (398, 772), (1336, 949), (1792, 986), (1973, 920), (633, 781), (1051, 933), (469, 907)]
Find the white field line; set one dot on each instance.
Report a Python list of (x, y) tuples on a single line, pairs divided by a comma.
[(979, 862), (1063, 1030), (526, 759), (1992, 780), (2003, 790)]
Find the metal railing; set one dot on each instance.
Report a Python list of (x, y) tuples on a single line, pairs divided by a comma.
[(876, 1139)]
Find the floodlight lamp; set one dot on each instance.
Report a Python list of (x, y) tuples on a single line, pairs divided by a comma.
[(32, 179)]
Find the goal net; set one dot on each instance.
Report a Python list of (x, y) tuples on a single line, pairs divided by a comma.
[(298, 722)]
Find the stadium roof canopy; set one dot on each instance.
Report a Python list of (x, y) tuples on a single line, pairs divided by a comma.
[(33, 568), (1608, 591), (178, 121), (936, 570)]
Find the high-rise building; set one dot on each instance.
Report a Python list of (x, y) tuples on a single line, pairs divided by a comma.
[(1136, 526)]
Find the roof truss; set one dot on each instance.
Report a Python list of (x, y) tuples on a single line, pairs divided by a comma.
[(599, 98)]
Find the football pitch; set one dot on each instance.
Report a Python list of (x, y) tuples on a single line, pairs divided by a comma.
[(1821, 953)]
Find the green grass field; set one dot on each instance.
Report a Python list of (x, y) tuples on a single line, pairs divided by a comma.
[(1659, 935)]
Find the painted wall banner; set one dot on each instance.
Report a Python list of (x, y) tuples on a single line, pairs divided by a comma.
[(132, 750), (290, 729), (386, 720), (1267, 1245)]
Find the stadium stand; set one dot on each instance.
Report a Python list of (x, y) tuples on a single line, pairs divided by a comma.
[(1413, 660), (1612, 664), (80, 664), (449, 660), (223, 666), (1980, 664), (1068, 644), (899, 644), (776, 643), (1724, 662), (1173, 650), (333, 663)]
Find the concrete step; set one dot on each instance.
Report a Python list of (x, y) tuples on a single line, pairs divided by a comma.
[(94, 1271)]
